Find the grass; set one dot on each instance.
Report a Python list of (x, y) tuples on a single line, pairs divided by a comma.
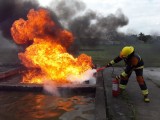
[(102, 54), (149, 54)]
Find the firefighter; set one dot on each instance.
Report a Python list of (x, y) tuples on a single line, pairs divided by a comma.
[(133, 63)]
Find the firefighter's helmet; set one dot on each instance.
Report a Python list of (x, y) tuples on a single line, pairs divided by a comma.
[(126, 51)]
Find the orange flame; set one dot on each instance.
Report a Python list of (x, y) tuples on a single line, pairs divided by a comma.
[(47, 57)]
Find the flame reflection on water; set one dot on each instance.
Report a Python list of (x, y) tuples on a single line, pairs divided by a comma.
[(31, 106)]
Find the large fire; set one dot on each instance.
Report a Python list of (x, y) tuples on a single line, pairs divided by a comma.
[(47, 56)]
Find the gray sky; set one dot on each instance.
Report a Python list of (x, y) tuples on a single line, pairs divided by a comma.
[(143, 15)]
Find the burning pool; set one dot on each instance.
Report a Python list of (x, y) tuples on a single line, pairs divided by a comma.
[(38, 106)]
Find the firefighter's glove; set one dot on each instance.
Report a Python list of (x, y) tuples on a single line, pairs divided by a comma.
[(118, 77), (94, 66), (108, 65)]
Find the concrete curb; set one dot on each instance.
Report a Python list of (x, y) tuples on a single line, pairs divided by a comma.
[(39, 88), (100, 102)]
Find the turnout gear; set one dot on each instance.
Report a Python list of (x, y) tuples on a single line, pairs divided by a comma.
[(133, 63), (110, 63), (146, 99), (118, 77)]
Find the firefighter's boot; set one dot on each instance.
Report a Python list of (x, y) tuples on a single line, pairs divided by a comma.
[(146, 99)]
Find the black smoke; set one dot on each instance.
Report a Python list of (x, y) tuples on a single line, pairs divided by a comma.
[(67, 9), (11, 10), (89, 27)]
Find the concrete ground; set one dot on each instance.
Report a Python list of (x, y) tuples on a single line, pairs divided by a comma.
[(130, 105)]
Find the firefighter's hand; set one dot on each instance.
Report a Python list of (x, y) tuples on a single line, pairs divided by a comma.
[(94, 66), (118, 77), (108, 65)]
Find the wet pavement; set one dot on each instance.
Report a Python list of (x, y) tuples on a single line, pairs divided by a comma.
[(130, 105), (36, 106)]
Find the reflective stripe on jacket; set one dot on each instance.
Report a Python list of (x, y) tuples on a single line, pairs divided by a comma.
[(133, 61)]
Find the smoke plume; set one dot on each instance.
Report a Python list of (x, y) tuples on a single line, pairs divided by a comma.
[(89, 27), (67, 9), (11, 10)]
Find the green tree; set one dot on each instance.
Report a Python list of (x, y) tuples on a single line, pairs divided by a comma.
[(144, 37)]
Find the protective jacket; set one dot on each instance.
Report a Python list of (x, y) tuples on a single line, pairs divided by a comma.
[(133, 61)]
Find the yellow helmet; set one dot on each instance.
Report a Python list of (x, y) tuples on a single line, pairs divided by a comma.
[(126, 51)]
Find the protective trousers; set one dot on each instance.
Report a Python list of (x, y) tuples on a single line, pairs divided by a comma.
[(140, 80)]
